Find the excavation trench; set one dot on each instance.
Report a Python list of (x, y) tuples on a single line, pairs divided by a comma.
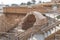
[(32, 19), (28, 24), (31, 23)]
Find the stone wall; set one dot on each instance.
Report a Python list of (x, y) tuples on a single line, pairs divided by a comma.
[(23, 10), (9, 21)]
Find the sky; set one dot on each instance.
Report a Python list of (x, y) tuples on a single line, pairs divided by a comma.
[(19, 1)]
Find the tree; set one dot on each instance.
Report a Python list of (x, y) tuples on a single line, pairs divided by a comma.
[(33, 1), (39, 1), (23, 4), (58, 17), (14, 5), (7, 5), (29, 3)]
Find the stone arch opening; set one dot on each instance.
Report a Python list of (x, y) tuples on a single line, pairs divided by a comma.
[(28, 22)]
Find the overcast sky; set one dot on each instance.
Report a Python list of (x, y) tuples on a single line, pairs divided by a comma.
[(18, 1)]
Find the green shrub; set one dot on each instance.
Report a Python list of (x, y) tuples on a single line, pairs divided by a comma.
[(58, 17)]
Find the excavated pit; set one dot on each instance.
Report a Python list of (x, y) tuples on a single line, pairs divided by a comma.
[(28, 22), (31, 23), (33, 18)]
